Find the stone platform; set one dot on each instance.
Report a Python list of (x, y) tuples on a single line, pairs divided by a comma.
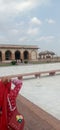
[(35, 117)]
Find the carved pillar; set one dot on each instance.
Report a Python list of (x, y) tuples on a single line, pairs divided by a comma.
[(22, 56), (3, 56), (29, 56), (13, 56)]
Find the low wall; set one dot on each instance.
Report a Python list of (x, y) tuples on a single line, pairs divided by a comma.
[(35, 117)]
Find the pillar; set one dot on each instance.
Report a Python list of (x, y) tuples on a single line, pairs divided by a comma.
[(3, 56)]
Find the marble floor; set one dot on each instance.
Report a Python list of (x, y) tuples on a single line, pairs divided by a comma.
[(43, 91)]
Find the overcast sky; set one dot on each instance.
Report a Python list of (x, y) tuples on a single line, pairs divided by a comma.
[(31, 22)]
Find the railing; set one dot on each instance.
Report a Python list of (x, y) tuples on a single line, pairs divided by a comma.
[(35, 74)]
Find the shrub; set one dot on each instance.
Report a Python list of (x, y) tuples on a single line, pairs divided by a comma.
[(13, 62), (25, 61)]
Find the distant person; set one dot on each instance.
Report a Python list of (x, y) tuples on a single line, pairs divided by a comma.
[(21, 60)]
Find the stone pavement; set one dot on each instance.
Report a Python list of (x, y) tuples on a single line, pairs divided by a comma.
[(35, 117)]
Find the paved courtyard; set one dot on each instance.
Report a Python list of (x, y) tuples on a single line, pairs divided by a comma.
[(43, 91)]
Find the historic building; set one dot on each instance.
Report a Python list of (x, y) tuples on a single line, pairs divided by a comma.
[(18, 52), (46, 54)]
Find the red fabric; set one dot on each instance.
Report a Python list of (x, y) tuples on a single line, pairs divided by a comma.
[(5, 91), (12, 97), (14, 122), (3, 104)]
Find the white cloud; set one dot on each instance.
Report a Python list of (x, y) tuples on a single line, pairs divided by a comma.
[(50, 21), (36, 21), (29, 4), (33, 31), (20, 5), (45, 38), (20, 23), (23, 6), (23, 39), (14, 31)]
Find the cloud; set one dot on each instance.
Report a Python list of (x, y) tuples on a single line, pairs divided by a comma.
[(33, 31), (50, 21), (23, 6), (15, 6), (46, 38), (14, 31), (36, 21), (23, 39)]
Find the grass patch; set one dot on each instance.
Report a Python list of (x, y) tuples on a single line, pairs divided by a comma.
[(5, 64)]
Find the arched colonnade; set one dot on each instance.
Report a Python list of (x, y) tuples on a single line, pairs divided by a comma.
[(9, 54)]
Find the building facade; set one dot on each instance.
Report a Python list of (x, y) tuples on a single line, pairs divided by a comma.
[(46, 54), (18, 52)]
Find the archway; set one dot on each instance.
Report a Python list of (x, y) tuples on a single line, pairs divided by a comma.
[(26, 55), (8, 55), (17, 55), (0, 56), (33, 55)]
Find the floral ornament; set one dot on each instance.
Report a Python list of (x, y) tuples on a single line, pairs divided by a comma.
[(19, 118)]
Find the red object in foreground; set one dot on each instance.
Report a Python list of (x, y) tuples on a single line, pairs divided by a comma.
[(8, 104), (16, 123)]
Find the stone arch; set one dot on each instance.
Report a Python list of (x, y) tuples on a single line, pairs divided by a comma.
[(33, 55), (17, 55), (0, 56), (26, 55), (8, 55)]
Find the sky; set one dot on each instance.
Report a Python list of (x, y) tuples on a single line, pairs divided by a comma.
[(31, 22)]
